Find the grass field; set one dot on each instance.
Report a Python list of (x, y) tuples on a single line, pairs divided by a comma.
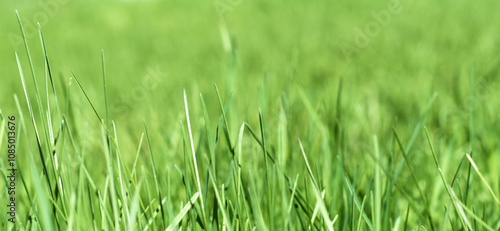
[(250, 115)]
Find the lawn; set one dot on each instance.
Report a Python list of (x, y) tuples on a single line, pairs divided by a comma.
[(249, 115)]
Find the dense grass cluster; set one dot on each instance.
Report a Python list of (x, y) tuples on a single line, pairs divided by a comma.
[(315, 154)]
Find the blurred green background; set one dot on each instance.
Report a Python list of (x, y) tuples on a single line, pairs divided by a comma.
[(154, 49), (425, 44)]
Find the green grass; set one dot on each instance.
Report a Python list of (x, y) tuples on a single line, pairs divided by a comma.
[(274, 130)]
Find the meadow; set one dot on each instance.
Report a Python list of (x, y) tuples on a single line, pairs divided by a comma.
[(249, 115)]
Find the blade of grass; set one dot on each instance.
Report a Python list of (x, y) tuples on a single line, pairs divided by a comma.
[(378, 188), (134, 210), (465, 223), (415, 133), (109, 163), (412, 173), (51, 138), (183, 212), (125, 215), (39, 142), (324, 212), (87, 97), (218, 196), (476, 217), (482, 178), (224, 117), (264, 150), (158, 190), (47, 221), (208, 129), (360, 218), (406, 219), (357, 203), (194, 161)]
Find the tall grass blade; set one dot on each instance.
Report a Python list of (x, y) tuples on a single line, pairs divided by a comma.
[(183, 212), (194, 161), (324, 211), (158, 190), (483, 179)]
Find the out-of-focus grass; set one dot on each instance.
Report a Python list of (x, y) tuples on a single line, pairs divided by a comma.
[(431, 45)]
